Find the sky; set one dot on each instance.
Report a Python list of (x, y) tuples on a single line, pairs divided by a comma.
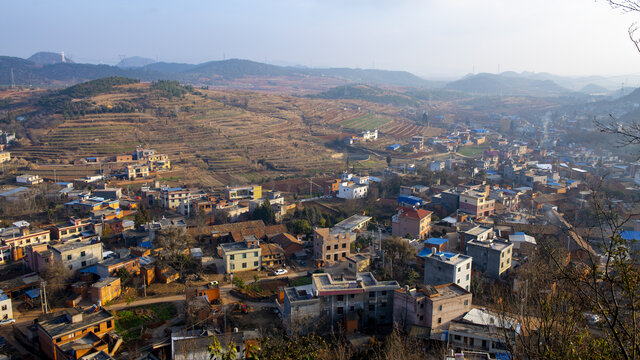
[(431, 38)]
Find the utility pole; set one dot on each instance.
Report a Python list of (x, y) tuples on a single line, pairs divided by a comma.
[(43, 287)]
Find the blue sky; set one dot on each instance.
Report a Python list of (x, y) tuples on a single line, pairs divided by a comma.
[(436, 38)]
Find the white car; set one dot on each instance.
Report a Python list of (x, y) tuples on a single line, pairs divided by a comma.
[(280, 272), (7, 322)]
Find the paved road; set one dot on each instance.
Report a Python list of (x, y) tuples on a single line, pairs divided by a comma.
[(147, 301)]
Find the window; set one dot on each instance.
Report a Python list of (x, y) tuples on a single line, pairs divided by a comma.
[(384, 304), (255, 254), (466, 302), (233, 266), (459, 268), (84, 263), (352, 296), (344, 254), (96, 329), (439, 320), (4, 307), (83, 253), (70, 267), (340, 310), (384, 293), (468, 266), (244, 265), (352, 309), (344, 245), (340, 297), (372, 307), (328, 247), (467, 277), (108, 324), (68, 257), (372, 294), (328, 257), (421, 305), (231, 257), (255, 263), (439, 307), (458, 282), (457, 337), (335, 247), (244, 255)]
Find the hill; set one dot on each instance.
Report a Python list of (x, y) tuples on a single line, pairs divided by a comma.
[(134, 61), (169, 68), (46, 58), (368, 93), (594, 89), (506, 85)]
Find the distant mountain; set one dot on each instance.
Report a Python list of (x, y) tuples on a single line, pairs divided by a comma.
[(593, 89), (368, 93), (169, 68), (506, 85), (633, 97), (134, 61), (47, 58), (398, 78), (236, 68)]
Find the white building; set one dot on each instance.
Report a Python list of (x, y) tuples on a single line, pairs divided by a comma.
[(442, 268), (28, 179), (369, 135), (349, 190), (6, 311)]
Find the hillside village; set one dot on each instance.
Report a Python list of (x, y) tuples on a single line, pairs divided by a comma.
[(416, 231)]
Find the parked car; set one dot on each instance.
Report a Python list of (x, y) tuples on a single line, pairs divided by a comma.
[(7, 322), (280, 272), (214, 283)]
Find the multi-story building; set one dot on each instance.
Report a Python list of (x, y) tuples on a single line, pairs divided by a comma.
[(14, 240), (158, 162), (331, 245), (350, 190), (477, 203), (73, 333), (415, 222), (38, 257), (72, 229), (77, 254), (492, 256), (244, 192), (171, 198), (137, 171), (87, 204), (446, 267), (29, 179), (353, 223), (326, 302), (431, 307), (6, 311), (5, 156), (110, 267), (242, 256), (272, 255)]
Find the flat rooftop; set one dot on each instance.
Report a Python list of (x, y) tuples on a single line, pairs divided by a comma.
[(104, 282), (72, 245), (237, 246), (352, 222), (478, 230), (448, 257), (491, 244), (59, 324)]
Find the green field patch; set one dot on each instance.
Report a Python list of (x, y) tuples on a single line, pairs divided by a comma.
[(366, 122), (473, 150)]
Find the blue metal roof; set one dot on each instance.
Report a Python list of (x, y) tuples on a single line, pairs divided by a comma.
[(13, 191), (435, 241), (393, 147), (33, 293), (630, 235), (518, 233)]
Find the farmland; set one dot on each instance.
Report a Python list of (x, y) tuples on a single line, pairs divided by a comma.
[(212, 137)]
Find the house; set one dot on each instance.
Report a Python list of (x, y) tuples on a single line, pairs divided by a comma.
[(350, 190), (76, 227), (465, 336), (477, 203), (6, 310), (37, 257), (492, 256), (477, 233), (108, 193), (16, 238), (5, 156), (60, 333), (244, 192), (86, 204), (242, 256), (110, 267), (29, 179), (124, 158), (105, 290), (428, 306), (165, 273), (327, 302), (446, 267), (416, 143), (77, 254), (415, 222), (358, 263), (195, 345), (137, 171), (437, 243), (369, 135), (288, 243), (211, 292), (272, 255), (520, 240), (332, 245)]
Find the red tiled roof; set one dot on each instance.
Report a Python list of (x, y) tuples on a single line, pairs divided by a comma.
[(416, 214)]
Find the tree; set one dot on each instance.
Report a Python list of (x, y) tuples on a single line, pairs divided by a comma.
[(57, 276), (388, 160), (142, 217), (265, 213), (124, 275)]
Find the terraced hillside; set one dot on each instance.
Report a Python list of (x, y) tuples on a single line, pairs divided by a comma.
[(210, 133)]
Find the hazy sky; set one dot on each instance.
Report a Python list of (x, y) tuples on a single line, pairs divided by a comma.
[(436, 38)]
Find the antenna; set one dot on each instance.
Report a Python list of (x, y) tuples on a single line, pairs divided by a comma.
[(62, 56), (122, 56)]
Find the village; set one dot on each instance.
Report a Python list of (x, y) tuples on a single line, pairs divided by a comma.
[(123, 263)]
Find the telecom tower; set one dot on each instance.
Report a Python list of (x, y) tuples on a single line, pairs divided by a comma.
[(62, 55)]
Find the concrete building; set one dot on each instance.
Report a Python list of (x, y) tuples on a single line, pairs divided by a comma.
[(358, 263), (350, 190), (110, 267), (332, 245), (272, 255), (446, 267), (6, 310), (15, 239), (477, 203), (137, 171), (478, 233), (325, 303), (73, 333), (244, 192), (493, 257), (416, 143), (77, 254), (465, 336), (415, 222), (76, 227), (431, 307), (242, 256), (29, 179), (353, 223)]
